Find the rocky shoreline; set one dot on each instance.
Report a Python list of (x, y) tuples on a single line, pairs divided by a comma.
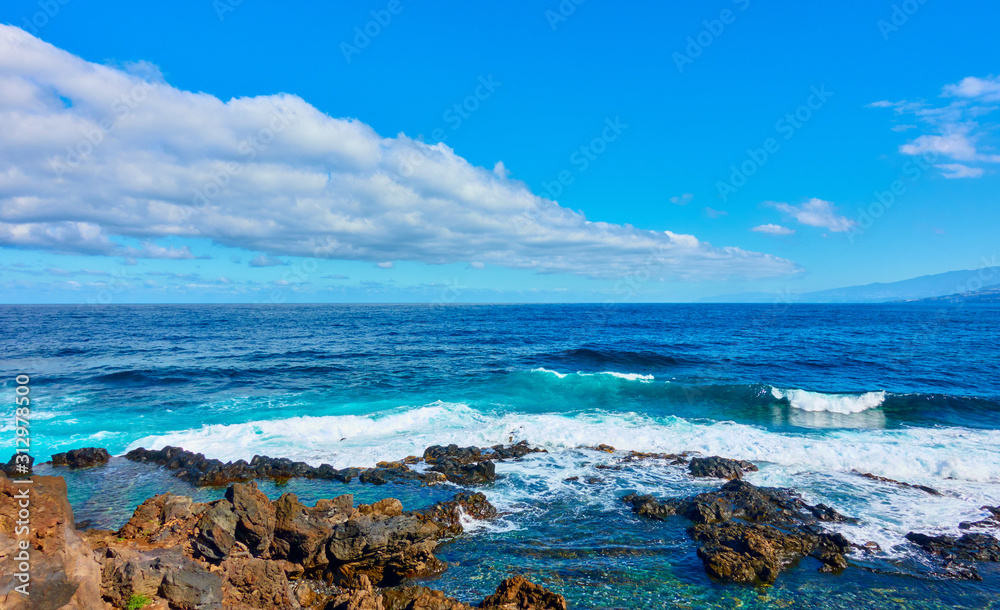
[(245, 551)]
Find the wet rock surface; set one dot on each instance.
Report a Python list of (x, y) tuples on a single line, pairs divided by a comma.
[(749, 533), (247, 552), (719, 467), (923, 488), (957, 552), (87, 457), (460, 465), (990, 522)]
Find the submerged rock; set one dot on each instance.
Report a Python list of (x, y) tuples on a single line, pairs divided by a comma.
[(719, 467), (991, 522), (750, 533), (518, 593), (923, 488), (967, 547), (86, 457)]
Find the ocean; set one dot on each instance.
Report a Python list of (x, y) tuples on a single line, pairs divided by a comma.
[(812, 394)]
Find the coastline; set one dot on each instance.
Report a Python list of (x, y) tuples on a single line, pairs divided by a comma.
[(246, 550)]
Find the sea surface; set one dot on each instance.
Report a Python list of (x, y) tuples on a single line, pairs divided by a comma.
[(810, 393)]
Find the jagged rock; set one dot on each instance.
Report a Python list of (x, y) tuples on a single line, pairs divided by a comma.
[(250, 582), (968, 547), (922, 488), (86, 457), (419, 597), (63, 570), (992, 522), (384, 548), (448, 515), (192, 588), (217, 532), (750, 533), (128, 571), (719, 467), (518, 593), (300, 532), (466, 474), (256, 516), (19, 466)]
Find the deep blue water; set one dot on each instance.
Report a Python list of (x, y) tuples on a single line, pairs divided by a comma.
[(809, 392)]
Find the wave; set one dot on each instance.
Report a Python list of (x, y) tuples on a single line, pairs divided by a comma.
[(625, 376), (845, 404)]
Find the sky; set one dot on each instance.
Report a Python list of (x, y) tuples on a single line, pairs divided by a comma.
[(443, 152)]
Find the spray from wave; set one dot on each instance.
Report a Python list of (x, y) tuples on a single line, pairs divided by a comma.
[(845, 404)]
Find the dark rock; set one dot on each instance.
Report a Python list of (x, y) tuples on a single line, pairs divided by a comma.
[(518, 593), (473, 473), (384, 548), (192, 588), (968, 547), (256, 516), (448, 515), (719, 468), (19, 466), (991, 522), (82, 458), (301, 532), (217, 532), (750, 533), (923, 488)]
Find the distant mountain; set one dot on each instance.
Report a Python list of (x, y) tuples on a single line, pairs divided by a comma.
[(925, 287), (984, 295)]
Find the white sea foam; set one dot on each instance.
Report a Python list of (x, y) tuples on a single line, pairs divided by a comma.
[(615, 374), (833, 403), (963, 464)]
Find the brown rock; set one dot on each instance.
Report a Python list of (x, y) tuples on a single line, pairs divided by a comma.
[(64, 573), (255, 514), (255, 583), (518, 593)]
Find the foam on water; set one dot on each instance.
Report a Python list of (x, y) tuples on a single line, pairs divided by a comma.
[(615, 374), (833, 403)]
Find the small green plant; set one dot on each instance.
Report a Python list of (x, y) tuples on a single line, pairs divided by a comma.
[(138, 600)]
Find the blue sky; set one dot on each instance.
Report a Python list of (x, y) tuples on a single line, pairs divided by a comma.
[(633, 116)]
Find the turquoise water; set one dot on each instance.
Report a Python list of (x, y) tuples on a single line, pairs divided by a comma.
[(810, 393)]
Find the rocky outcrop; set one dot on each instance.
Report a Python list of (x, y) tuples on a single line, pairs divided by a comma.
[(244, 552), (957, 552), (63, 570), (518, 593), (750, 533), (19, 466), (460, 465), (87, 457), (719, 467), (873, 477), (990, 522)]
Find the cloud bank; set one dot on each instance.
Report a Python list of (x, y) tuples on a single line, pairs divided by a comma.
[(93, 154)]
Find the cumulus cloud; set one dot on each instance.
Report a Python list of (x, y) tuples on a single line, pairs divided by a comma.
[(816, 213), (93, 154), (684, 199), (957, 130), (773, 229)]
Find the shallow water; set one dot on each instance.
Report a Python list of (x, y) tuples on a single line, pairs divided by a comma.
[(808, 392)]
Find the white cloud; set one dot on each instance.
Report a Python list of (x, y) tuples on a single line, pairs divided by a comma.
[(773, 229), (713, 213), (957, 130), (982, 89), (684, 199), (266, 261), (957, 170), (273, 174), (385, 265), (816, 213)]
